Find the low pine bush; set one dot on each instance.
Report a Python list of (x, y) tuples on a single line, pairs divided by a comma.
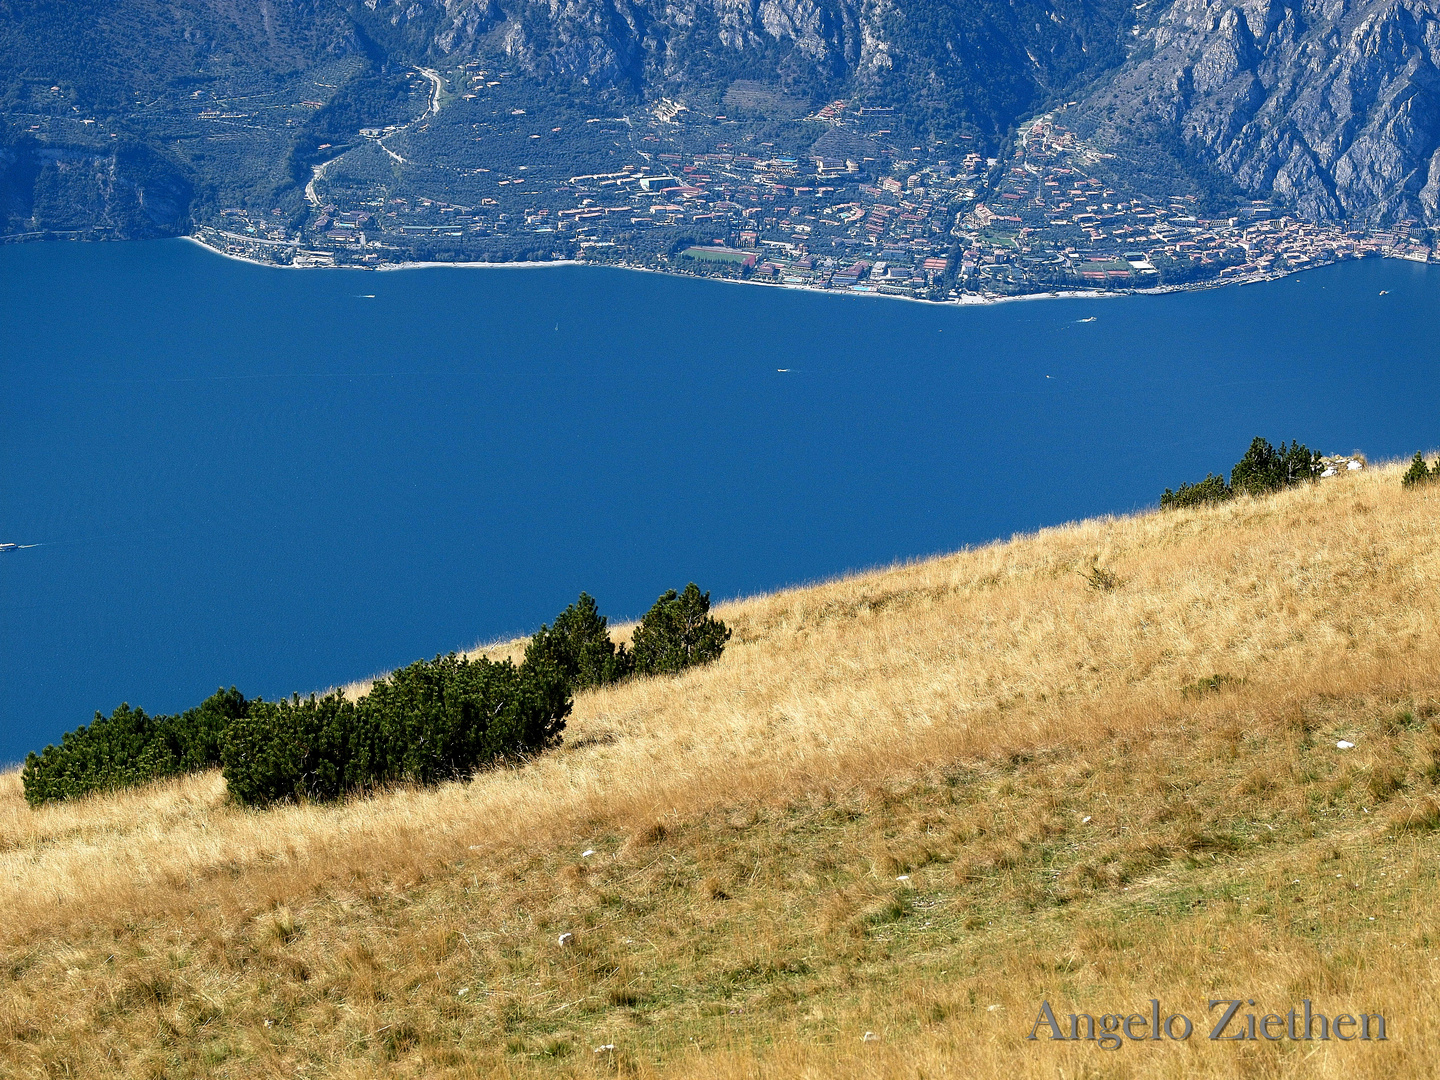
[(432, 721), (441, 719), (1213, 489), (1262, 470), (1419, 472), (313, 747), (579, 646), (131, 747), (199, 730), (678, 632)]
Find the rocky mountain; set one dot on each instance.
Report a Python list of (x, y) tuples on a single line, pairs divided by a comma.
[(1331, 106), (108, 111), (90, 91), (122, 190), (947, 65), (112, 113)]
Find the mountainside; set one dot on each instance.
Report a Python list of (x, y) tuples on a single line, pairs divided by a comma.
[(88, 133), (1332, 105), (308, 75), (1184, 756), (352, 127), (128, 190), (946, 65)]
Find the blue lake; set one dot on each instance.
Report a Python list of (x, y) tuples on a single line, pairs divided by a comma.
[(289, 479)]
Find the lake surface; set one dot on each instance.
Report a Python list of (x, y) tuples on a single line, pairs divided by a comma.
[(286, 480)]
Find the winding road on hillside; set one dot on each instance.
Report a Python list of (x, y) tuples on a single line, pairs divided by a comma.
[(432, 108)]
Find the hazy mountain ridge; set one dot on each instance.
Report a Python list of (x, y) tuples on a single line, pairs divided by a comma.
[(1331, 105)]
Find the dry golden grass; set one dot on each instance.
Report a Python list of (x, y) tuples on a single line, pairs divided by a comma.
[(1015, 742)]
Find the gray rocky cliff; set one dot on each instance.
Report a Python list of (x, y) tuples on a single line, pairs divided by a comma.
[(606, 42), (973, 62), (1331, 106), (120, 192)]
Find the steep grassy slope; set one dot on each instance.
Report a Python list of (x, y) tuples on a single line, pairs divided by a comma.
[(913, 803)]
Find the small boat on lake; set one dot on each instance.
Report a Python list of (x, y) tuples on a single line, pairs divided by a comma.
[(9, 547)]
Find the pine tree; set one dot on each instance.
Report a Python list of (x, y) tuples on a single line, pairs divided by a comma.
[(1212, 489), (579, 646), (678, 632), (1264, 469), (1419, 472), (1258, 471)]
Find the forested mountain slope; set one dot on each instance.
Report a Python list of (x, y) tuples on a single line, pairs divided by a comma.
[(90, 89)]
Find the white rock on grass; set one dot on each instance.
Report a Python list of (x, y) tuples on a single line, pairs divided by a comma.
[(1344, 745)]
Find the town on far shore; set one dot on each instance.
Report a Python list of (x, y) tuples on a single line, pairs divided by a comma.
[(710, 195)]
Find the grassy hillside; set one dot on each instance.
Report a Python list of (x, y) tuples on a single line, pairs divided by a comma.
[(913, 803)]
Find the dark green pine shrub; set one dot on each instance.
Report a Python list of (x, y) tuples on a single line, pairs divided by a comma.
[(1419, 472), (433, 721), (311, 747), (130, 747), (1213, 489), (439, 720), (678, 632), (1264, 469), (198, 731), (579, 646), (127, 747)]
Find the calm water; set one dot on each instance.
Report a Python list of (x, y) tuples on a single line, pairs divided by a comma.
[(269, 478)]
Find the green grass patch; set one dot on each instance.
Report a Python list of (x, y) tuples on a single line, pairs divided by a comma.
[(712, 255)]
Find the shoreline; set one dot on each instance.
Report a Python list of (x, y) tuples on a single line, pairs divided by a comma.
[(380, 267), (963, 300)]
